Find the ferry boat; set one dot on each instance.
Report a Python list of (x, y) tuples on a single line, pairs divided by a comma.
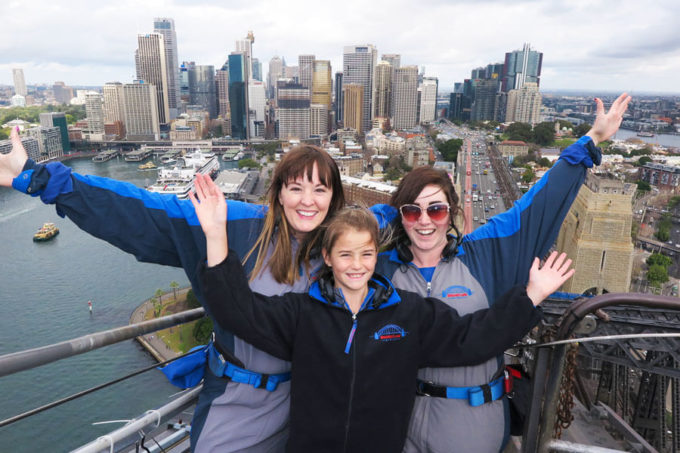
[(48, 231), (179, 180), (645, 134), (147, 166)]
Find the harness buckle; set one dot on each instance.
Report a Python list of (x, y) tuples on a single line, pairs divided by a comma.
[(420, 386)]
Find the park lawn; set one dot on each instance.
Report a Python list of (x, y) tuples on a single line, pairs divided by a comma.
[(179, 338), (564, 142)]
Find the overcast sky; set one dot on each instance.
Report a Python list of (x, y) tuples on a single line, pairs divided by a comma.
[(598, 45)]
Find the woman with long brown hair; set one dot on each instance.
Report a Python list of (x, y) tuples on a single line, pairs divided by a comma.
[(244, 404)]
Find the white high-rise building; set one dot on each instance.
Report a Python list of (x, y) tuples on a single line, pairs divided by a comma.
[(428, 99), (246, 46), (94, 109), (152, 69), (19, 82), (306, 65), (405, 86), (258, 102), (524, 105), (141, 111), (113, 102), (358, 67), (318, 119), (166, 27), (275, 73)]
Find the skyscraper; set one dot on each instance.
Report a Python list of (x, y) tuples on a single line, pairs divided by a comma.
[(62, 93), (222, 82), (257, 99), (524, 105), (293, 110), (405, 86), (394, 59), (246, 47), (57, 119), (339, 103), (484, 104), (521, 66), (358, 66), (184, 95), (275, 73), (94, 108), (383, 90), (19, 82), (238, 95), (318, 119), (202, 88), (322, 83), (166, 27), (257, 69), (353, 107), (141, 111), (113, 102), (428, 99), (152, 69), (306, 65)]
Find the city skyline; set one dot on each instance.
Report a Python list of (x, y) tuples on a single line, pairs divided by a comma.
[(587, 45)]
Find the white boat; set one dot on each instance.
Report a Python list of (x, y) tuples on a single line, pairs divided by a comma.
[(179, 180)]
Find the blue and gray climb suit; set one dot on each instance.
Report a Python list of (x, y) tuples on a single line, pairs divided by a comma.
[(161, 229), (489, 261)]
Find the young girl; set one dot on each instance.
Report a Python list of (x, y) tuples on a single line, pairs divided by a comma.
[(354, 341)]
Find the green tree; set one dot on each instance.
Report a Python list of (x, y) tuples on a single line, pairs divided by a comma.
[(248, 163), (157, 305), (663, 234), (657, 259), (582, 129), (4, 134), (643, 186), (450, 148), (519, 131), (656, 275), (174, 285), (528, 175), (192, 300), (543, 133), (644, 160), (673, 202), (545, 162), (392, 174), (202, 330)]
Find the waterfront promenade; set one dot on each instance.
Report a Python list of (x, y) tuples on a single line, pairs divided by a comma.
[(151, 342)]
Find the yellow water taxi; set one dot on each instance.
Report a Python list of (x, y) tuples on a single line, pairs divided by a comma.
[(147, 166), (46, 232)]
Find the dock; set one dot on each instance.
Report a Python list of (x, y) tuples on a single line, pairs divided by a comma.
[(138, 155)]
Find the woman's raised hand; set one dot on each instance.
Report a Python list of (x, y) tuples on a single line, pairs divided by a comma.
[(211, 210), (12, 163), (546, 280), (607, 123)]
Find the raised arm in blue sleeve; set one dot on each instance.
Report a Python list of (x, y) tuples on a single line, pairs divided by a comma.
[(499, 254)]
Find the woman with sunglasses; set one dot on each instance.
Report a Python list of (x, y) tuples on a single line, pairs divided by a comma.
[(470, 272)]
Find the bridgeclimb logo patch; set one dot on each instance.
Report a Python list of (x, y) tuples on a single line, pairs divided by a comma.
[(390, 332), (456, 292)]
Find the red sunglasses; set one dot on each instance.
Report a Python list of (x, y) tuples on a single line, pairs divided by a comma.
[(436, 212)]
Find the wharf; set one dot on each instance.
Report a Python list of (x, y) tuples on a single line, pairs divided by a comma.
[(138, 155), (106, 155)]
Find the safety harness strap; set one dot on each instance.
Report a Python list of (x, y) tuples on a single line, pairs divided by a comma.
[(476, 395), (220, 367)]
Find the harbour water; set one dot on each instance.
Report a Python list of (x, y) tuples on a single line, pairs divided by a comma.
[(44, 290), (658, 139)]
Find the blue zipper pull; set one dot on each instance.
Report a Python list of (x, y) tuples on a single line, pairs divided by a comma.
[(351, 333)]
